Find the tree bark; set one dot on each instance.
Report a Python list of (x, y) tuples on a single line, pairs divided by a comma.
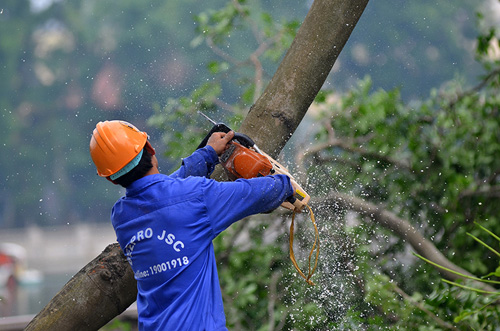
[(303, 71), (98, 293), (101, 290)]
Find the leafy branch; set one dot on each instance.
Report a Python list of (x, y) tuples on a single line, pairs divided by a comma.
[(404, 230), (468, 276)]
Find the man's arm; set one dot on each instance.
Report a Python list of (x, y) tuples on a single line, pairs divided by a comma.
[(228, 202), (201, 163)]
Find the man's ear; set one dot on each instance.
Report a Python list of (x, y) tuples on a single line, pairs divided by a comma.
[(150, 148)]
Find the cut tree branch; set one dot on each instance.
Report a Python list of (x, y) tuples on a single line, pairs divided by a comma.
[(404, 230), (107, 281)]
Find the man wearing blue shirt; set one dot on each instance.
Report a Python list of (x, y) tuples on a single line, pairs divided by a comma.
[(166, 224)]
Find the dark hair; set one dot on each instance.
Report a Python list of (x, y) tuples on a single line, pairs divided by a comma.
[(137, 172)]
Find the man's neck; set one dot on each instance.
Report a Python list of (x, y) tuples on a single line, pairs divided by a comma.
[(153, 171)]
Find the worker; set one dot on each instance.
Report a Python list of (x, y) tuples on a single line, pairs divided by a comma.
[(166, 224)]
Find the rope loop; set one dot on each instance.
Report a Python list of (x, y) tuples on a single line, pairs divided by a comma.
[(314, 247)]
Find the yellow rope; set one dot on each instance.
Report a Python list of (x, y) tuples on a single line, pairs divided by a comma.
[(315, 246)]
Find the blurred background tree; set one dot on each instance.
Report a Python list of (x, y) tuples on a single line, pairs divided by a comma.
[(69, 64)]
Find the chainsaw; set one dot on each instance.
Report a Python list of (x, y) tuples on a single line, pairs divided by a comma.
[(244, 159)]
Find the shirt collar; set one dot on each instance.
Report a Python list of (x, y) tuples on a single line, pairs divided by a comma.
[(142, 183)]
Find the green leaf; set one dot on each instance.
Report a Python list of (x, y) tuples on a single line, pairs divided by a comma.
[(455, 272), (463, 314), (470, 288), (484, 244)]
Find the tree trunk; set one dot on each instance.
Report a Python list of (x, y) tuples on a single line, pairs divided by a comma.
[(102, 290), (319, 41)]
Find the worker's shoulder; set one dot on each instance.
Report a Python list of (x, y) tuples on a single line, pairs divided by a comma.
[(180, 184)]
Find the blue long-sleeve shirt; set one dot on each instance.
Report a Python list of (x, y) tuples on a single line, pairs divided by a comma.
[(165, 226)]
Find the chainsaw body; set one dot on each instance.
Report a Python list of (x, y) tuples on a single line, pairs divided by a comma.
[(242, 162)]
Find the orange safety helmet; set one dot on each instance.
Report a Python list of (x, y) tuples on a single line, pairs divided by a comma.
[(116, 147)]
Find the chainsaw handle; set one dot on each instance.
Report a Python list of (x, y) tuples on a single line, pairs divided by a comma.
[(296, 203), (243, 139), (298, 200)]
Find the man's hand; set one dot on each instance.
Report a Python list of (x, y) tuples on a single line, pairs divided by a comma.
[(219, 141)]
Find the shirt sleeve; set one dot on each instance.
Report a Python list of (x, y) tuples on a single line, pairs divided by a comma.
[(228, 202), (201, 163)]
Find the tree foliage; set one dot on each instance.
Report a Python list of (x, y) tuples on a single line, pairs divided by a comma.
[(431, 162)]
